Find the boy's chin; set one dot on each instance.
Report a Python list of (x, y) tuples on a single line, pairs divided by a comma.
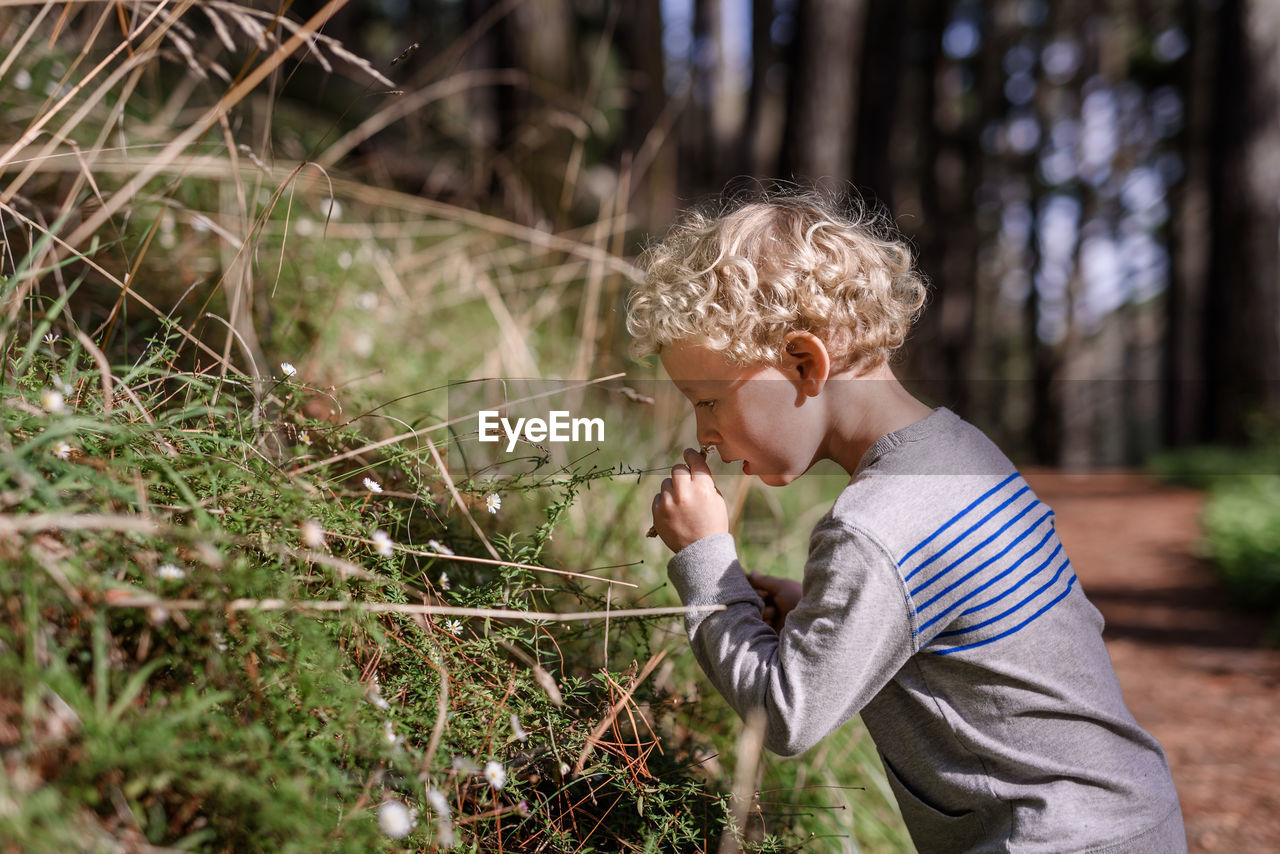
[(773, 479)]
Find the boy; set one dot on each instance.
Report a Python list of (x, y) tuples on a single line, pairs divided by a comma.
[(937, 600)]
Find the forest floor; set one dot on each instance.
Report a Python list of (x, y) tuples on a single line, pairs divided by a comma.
[(1195, 673)]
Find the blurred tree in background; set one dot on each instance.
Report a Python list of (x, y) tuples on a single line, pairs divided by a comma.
[(1091, 187)]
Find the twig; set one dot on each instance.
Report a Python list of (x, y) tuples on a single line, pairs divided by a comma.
[(123, 599), (631, 689)]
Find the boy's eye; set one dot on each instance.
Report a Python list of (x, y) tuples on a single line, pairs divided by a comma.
[(707, 403)]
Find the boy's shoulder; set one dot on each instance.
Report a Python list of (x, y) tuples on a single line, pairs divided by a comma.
[(937, 474)]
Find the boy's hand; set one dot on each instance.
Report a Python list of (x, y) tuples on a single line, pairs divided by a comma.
[(689, 507), (780, 595)]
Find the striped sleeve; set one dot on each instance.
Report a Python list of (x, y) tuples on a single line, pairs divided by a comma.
[(991, 570)]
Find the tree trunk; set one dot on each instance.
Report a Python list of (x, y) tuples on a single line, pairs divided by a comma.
[(878, 94), (1184, 410), (1243, 307), (822, 99)]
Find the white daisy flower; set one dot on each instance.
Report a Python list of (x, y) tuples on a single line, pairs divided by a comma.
[(62, 451), (287, 369), (443, 583), (396, 819), (169, 572), (517, 730), (454, 627), (495, 774), (312, 535), (51, 338), (439, 547), (493, 501), (305, 438), (382, 543), (52, 401), (372, 485)]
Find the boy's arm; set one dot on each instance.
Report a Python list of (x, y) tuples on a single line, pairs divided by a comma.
[(848, 636)]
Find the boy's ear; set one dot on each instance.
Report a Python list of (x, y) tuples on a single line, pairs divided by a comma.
[(807, 361)]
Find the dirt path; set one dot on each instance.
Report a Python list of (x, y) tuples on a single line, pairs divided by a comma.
[(1193, 672)]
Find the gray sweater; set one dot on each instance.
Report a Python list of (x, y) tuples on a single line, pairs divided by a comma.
[(939, 604)]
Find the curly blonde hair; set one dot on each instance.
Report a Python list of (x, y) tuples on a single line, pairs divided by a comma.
[(741, 280)]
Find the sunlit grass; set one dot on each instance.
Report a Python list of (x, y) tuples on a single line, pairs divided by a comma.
[(184, 447)]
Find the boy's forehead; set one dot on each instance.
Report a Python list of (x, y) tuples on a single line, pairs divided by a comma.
[(689, 364)]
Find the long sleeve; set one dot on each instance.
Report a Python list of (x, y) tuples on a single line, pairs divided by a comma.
[(850, 633)]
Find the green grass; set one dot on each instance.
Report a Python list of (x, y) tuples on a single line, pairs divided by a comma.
[(152, 688), (193, 712)]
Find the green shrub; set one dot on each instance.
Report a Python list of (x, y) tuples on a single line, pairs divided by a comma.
[(1242, 536), (165, 675)]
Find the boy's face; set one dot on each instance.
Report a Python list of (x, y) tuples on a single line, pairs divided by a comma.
[(752, 413)]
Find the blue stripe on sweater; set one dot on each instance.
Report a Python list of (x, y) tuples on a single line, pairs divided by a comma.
[(1024, 511), (956, 518), (1016, 628), (971, 573), (1021, 581), (1012, 610)]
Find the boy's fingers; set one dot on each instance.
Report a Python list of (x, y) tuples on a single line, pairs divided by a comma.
[(681, 472), (696, 461)]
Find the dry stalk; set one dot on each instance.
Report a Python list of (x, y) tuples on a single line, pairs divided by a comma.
[(750, 743), (124, 599), (653, 662)]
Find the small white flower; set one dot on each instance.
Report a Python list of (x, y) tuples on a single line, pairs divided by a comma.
[(287, 369), (454, 627), (396, 819), (443, 583), (62, 451), (495, 774), (493, 501), (439, 803), (372, 485), (169, 572), (52, 400), (305, 438), (377, 699), (51, 338), (382, 543), (517, 730), (345, 259), (463, 765), (22, 79), (312, 535), (389, 732), (158, 616), (439, 547)]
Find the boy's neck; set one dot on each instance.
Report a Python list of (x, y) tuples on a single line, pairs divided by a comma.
[(864, 406)]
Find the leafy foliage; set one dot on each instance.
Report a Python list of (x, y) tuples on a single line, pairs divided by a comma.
[(164, 679)]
